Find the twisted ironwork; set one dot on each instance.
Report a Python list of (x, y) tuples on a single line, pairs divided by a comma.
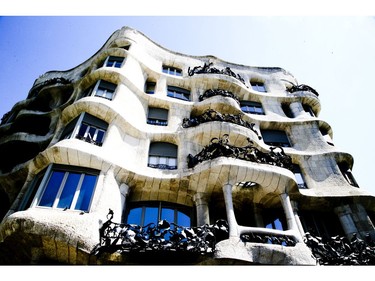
[(219, 147), (212, 115), (339, 250), (268, 239), (218, 92), (207, 68), (163, 236), (301, 87)]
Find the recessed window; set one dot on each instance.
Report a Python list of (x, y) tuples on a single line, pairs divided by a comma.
[(66, 187), (274, 219), (150, 87), (103, 89), (258, 86), (178, 93), (299, 176), (172, 70), (275, 138), (112, 61), (157, 116), (326, 136), (252, 107), (126, 47), (287, 111), (307, 108), (144, 213), (347, 173), (162, 155), (86, 127)]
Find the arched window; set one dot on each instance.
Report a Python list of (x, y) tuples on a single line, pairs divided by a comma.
[(112, 61), (103, 89), (275, 138), (157, 116), (178, 93), (162, 155)]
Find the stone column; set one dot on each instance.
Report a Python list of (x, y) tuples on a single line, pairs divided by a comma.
[(296, 217), (290, 219), (345, 216), (227, 190), (201, 205), (124, 191)]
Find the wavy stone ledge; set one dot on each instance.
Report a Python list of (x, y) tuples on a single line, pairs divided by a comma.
[(234, 248)]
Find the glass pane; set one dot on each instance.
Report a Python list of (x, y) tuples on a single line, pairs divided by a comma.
[(167, 214), (51, 189), (278, 224), (151, 215), (153, 160), (163, 160), (86, 191), (183, 219), (299, 178), (100, 136), (91, 133), (172, 162), (100, 92), (70, 187), (134, 216), (82, 130)]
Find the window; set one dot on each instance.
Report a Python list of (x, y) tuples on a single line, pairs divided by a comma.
[(326, 135), (347, 173), (172, 70), (307, 108), (143, 213), (252, 107), (157, 116), (275, 138), (102, 89), (178, 93), (162, 155), (66, 187), (258, 86), (299, 177), (112, 61), (287, 111), (150, 87), (86, 127), (274, 218)]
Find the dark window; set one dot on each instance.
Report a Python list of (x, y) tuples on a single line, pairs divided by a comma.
[(86, 127), (150, 87), (112, 61), (252, 107), (307, 108), (258, 86), (299, 176), (274, 218), (125, 47), (347, 173), (287, 111), (326, 136), (178, 93), (143, 213), (103, 89), (162, 155), (275, 138), (66, 188), (172, 70), (157, 116)]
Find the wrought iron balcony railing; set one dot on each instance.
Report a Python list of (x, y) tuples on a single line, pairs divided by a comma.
[(212, 115), (302, 87), (89, 140), (207, 68), (219, 147), (218, 92), (164, 236)]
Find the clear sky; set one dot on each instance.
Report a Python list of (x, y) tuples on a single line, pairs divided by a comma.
[(335, 55)]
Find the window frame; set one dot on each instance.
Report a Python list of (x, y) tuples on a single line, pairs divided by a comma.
[(258, 86), (252, 107), (157, 117), (171, 70), (150, 87), (178, 93), (300, 179), (114, 59), (94, 90), (67, 170), (163, 155), (282, 138)]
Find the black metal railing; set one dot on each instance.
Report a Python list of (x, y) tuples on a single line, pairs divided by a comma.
[(89, 140), (219, 147), (164, 236), (162, 166), (218, 92), (212, 115), (302, 87), (207, 68), (268, 239)]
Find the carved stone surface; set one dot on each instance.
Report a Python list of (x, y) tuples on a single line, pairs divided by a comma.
[(340, 251), (213, 115), (220, 147), (218, 92), (207, 68)]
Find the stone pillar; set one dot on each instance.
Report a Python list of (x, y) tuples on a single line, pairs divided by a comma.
[(124, 191), (345, 216), (201, 204), (296, 217), (227, 190), (290, 219)]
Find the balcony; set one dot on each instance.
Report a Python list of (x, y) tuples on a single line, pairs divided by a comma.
[(218, 92)]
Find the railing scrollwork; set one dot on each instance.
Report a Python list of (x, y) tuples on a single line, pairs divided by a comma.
[(219, 147), (218, 92)]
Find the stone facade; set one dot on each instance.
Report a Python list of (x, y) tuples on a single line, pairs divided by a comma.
[(108, 135)]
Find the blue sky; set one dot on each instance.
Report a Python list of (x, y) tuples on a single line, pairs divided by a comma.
[(334, 55)]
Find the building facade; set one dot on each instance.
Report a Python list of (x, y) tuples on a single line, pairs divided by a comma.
[(141, 155)]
